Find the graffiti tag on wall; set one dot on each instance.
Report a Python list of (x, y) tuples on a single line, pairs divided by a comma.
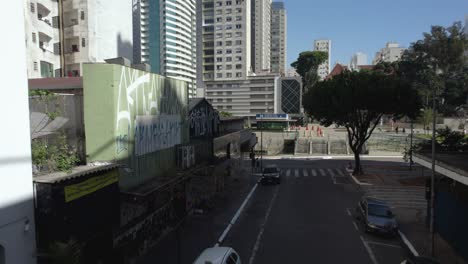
[(203, 121), (153, 133)]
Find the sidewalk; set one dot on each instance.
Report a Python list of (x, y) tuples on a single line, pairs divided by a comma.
[(412, 221), (201, 231)]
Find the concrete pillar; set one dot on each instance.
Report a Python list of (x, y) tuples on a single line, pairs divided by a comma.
[(311, 150)]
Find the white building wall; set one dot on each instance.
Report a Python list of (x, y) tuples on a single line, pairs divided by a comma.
[(36, 31), (325, 46), (278, 38), (262, 35), (358, 59), (391, 53), (17, 234)]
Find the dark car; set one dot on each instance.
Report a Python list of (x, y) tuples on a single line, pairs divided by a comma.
[(376, 216), (271, 174)]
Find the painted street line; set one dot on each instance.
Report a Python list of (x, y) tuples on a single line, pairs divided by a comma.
[(330, 171), (334, 179), (408, 244), (288, 173), (349, 212), (236, 216), (314, 172), (305, 173), (322, 172), (296, 173), (262, 228), (369, 250), (383, 244), (340, 172), (355, 226)]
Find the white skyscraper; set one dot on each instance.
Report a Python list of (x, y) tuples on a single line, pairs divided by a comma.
[(164, 36), (261, 20), (392, 52), (358, 59), (325, 46), (278, 38)]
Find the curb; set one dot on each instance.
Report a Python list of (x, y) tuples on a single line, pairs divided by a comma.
[(350, 172), (408, 244)]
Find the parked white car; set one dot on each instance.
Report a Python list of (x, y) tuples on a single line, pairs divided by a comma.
[(218, 255)]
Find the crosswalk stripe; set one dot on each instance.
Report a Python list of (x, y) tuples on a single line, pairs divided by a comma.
[(306, 174), (322, 172), (296, 173), (288, 173), (314, 172), (330, 171)]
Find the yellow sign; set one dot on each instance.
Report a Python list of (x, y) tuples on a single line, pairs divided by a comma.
[(75, 191)]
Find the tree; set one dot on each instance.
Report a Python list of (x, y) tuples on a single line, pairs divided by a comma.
[(438, 60), (425, 118), (357, 101), (306, 66), (225, 114)]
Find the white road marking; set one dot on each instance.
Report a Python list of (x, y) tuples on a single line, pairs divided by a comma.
[(306, 174), (383, 244), (322, 172), (408, 244), (262, 228), (234, 218), (296, 173), (340, 172), (330, 171), (288, 173), (349, 212), (333, 179), (369, 250), (355, 226), (314, 172)]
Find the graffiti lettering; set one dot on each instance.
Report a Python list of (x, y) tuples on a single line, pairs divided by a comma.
[(157, 133), (203, 122)]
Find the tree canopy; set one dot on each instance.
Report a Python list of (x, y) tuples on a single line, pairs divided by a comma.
[(438, 61), (357, 101), (307, 65)]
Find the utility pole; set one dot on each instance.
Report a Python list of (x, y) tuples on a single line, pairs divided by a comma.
[(432, 219), (261, 143), (411, 145)]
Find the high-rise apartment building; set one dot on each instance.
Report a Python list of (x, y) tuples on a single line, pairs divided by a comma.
[(62, 35), (358, 59), (391, 53), (325, 46), (93, 31), (226, 40), (42, 38), (261, 35), (164, 36), (278, 38)]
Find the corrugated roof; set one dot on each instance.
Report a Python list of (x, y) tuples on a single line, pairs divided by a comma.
[(76, 172), (194, 102)]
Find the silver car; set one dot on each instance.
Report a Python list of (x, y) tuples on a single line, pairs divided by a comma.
[(271, 174), (376, 216)]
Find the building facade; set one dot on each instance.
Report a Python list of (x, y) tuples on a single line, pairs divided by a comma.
[(17, 221), (93, 31), (261, 35), (248, 97), (288, 95), (164, 36), (42, 38), (278, 38), (391, 53), (358, 59), (226, 40), (325, 46)]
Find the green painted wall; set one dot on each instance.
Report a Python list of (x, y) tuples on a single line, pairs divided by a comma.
[(135, 118)]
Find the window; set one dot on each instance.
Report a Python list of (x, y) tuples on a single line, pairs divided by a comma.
[(82, 15), (219, 3), (238, 10), (228, 67), (219, 27), (228, 35), (219, 35), (219, 75), (238, 66), (238, 18), (238, 42), (238, 50), (229, 51), (33, 7), (83, 42), (238, 58), (228, 59), (228, 19), (219, 51), (34, 37), (238, 74), (238, 34), (219, 12), (228, 3), (219, 59), (238, 26), (228, 75), (219, 43), (228, 11), (228, 27), (35, 66), (219, 67), (228, 43), (219, 19)]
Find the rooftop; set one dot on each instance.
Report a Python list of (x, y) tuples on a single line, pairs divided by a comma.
[(76, 172)]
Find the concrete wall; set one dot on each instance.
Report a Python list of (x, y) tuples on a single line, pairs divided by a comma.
[(135, 118), (17, 232)]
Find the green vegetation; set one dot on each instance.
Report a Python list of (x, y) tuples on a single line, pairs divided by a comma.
[(446, 140), (306, 66), (225, 114), (56, 156), (357, 101)]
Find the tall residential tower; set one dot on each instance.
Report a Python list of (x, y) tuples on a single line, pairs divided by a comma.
[(278, 38), (261, 35), (164, 36), (325, 46)]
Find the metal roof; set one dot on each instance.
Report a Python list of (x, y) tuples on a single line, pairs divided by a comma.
[(76, 172)]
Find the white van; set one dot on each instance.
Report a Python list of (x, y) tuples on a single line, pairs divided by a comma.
[(218, 255)]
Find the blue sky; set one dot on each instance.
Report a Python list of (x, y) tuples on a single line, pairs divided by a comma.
[(364, 25)]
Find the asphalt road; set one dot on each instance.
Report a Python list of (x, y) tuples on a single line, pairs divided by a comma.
[(308, 218)]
